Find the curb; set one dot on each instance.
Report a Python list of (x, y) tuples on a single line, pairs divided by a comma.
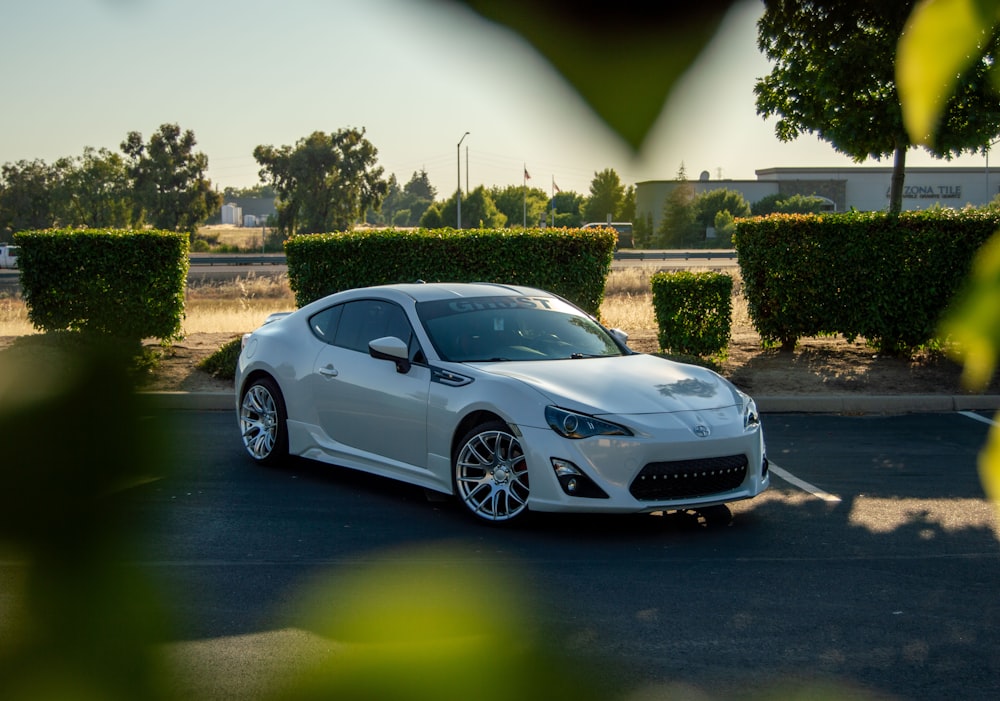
[(883, 404), (778, 404), (192, 401)]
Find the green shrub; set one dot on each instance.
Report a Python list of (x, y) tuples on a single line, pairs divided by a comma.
[(119, 283), (693, 312), (222, 363), (885, 278), (573, 263)]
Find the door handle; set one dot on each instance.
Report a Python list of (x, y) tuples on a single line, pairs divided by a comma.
[(328, 371)]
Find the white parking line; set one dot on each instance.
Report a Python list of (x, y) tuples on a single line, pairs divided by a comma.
[(803, 485), (977, 417)]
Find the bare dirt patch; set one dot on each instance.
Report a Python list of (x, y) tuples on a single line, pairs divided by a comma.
[(830, 366), (827, 366), (179, 371), (818, 366)]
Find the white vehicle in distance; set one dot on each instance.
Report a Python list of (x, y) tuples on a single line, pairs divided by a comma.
[(8, 256), (510, 398)]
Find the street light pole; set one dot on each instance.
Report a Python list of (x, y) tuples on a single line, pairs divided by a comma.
[(458, 193)]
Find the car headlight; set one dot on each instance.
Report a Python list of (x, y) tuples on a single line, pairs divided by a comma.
[(751, 417), (570, 424)]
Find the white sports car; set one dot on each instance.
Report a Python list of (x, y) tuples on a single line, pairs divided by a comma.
[(511, 398)]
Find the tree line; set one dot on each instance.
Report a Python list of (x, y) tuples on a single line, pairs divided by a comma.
[(708, 219), (160, 182), (832, 76), (330, 182), (325, 182), (416, 204)]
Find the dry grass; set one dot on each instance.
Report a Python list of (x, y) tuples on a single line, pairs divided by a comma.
[(232, 307), (243, 238), (628, 299), (237, 306), (14, 317), (243, 304)]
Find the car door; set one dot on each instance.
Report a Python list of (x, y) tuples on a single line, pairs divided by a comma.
[(377, 415)]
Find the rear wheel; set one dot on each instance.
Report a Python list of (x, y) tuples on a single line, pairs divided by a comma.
[(491, 473), (263, 422)]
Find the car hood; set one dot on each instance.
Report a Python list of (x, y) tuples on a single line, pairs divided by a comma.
[(632, 384)]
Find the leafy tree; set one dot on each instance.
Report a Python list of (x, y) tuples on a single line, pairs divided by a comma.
[(420, 186), (708, 204), (642, 231), (677, 226), (520, 205), (98, 190), (607, 194), (28, 197), (326, 182), (478, 210), (433, 217), (413, 198), (259, 191), (626, 212), (169, 186), (568, 208), (787, 204), (833, 76), (390, 204), (724, 225)]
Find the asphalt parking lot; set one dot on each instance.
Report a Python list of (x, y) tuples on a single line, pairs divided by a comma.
[(872, 563)]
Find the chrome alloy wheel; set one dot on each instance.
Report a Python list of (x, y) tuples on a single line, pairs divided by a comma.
[(261, 421), (491, 474)]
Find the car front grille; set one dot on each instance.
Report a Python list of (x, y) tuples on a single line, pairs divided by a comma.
[(689, 478)]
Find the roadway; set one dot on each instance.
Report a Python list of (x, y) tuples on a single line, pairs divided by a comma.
[(873, 562)]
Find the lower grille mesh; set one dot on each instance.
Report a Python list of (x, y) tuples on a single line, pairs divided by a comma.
[(689, 478)]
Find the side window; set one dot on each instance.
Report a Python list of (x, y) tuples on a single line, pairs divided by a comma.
[(366, 320), (324, 324)]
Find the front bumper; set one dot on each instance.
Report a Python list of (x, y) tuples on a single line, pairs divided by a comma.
[(669, 471)]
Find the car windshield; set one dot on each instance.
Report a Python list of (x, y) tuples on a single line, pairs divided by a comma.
[(512, 328)]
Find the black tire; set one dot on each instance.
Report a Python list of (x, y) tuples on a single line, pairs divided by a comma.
[(264, 422), (491, 474)]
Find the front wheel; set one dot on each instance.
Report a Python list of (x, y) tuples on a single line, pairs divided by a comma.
[(491, 473), (263, 422)]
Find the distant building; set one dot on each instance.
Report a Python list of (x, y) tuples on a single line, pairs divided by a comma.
[(232, 214), (862, 189), (259, 207)]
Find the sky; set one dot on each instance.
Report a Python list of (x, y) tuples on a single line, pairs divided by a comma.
[(415, 74)]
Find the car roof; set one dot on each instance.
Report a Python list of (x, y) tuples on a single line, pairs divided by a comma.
[(433, 291), (425, 292)]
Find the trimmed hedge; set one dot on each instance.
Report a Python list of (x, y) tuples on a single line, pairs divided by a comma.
[(693, 311), (885, 278), (573, 263), (121, 283)]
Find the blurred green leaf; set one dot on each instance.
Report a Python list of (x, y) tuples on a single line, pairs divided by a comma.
[(433, 623), (941, 40), (622, 58), (972, 324)]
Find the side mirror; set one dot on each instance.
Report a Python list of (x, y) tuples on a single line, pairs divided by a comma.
[(391, 348), (620, 335)]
